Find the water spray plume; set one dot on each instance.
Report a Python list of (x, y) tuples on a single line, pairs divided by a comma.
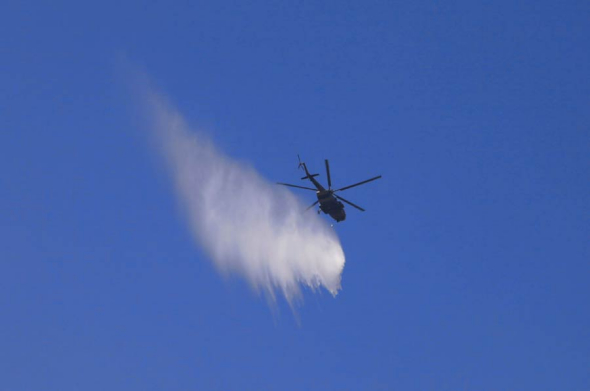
[(247, 225)]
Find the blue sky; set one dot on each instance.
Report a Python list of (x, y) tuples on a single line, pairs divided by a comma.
[(469, 270)]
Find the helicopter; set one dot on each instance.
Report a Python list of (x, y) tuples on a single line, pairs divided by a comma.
[(328, 200)]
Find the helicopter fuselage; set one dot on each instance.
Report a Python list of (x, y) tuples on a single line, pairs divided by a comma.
[(330, 205), (328, 202)]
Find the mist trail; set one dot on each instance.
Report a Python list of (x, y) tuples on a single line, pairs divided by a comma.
[(247, 225)]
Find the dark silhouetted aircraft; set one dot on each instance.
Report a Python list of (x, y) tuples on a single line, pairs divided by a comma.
[(328, 200)]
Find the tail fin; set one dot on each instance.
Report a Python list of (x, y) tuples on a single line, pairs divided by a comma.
[(307, 174)]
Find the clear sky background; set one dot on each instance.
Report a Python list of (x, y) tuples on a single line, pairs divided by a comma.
[(469, 270)]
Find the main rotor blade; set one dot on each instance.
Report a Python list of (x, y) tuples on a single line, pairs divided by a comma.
[(299, 187), (358, 184), (312, 205), (349, 203), (328, 172)]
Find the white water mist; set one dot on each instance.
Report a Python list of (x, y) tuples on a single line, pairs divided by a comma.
[(247, 225)]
